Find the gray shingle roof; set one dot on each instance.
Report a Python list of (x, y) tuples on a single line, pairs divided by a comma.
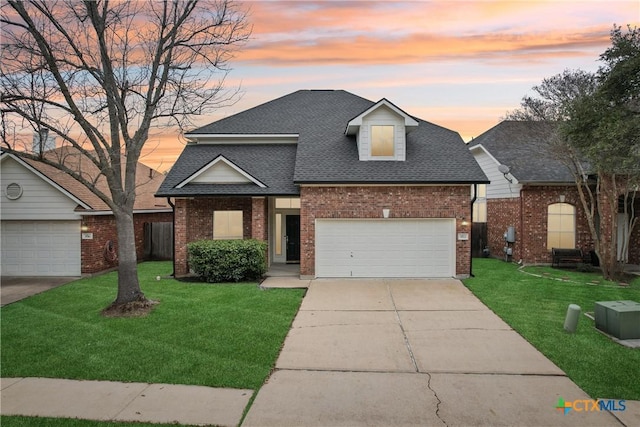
[(524, 146), (324, 153), (271, 164)]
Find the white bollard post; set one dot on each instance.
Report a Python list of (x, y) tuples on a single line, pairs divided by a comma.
[(571, 320)]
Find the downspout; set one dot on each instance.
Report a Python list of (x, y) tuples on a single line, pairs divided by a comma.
[(522, 232), (173, 246), (473, 200)]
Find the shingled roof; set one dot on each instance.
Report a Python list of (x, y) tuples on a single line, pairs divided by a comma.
[(525, 147), (323, 153), (271, 164), (147, 181)]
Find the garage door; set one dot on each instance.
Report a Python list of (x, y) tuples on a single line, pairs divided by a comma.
[(385, 248), (40, 248)]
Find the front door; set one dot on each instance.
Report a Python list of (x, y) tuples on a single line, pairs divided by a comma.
[(292, 237)]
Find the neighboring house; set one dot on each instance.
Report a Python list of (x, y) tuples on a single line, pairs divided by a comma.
[(537, 195), (52, 225), (342, 185)]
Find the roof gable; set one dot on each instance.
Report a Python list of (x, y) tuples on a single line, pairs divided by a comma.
[(525, 147), (221, 171), (44, 177), (354, 124), (324, 154), (148, 181)]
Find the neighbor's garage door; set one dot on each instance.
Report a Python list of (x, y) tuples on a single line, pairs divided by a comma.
[(385, 248), (40, 248)]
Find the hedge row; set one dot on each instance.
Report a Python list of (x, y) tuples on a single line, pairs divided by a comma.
[(218, 261)]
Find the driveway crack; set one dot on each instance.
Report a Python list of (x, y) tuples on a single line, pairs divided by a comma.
[(438, 401), (413, 359), (404, 333)]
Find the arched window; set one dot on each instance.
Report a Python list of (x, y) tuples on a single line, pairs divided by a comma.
[(561, 226)]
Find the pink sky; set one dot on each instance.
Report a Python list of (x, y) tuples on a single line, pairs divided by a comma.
[(459, 64)]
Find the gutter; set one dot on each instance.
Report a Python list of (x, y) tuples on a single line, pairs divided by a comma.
[(473, 200), (173, 247)]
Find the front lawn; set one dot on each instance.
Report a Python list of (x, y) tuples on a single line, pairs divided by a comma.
[(536, 305), (213, 335), (20, 421)]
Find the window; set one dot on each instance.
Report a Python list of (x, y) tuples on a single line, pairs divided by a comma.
[(480, 204), (561, 226), (278, 235), (382, 141), (287, 203), (227, 225)]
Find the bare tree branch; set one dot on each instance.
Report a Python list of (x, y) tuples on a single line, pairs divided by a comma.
[(100, 73)]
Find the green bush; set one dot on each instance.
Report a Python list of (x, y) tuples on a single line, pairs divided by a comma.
[(218, 261)]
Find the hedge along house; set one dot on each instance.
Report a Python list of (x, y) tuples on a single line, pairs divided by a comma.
[(53, 225), (534, 192), (342, 185)]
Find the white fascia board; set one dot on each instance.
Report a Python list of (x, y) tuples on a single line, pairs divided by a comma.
[(356, 122), (135, 211), (481, 147), (221, 158), (232, 138), (46, 179)]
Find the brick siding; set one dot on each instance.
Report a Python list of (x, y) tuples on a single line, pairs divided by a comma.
[(528, 214), (194, 221), (103, 228), (368, 202)]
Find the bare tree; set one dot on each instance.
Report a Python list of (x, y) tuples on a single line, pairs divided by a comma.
[(99, 74)]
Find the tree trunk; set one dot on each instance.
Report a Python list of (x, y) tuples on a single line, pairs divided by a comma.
[(128, 284), (608, 207)]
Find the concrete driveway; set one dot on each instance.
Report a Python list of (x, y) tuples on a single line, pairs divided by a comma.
[(14, 289), (410, 352)]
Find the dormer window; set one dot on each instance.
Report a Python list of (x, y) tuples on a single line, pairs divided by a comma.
[(382, 141), (381, 132)]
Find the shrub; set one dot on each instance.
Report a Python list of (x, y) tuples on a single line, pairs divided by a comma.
[(218, 261)]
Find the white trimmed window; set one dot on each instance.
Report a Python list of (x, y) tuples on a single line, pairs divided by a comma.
[(288, 203), (382, 141), (227, 225), (561, 226)]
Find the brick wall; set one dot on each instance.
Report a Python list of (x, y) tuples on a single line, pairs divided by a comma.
[(502, 214), (103, 228), (529, 215), (194, 221), (368, 202)]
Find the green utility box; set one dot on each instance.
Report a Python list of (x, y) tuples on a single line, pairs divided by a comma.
[(619, 318)]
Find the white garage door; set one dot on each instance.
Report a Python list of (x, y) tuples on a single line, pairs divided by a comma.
[(40, 248), (385, 248)]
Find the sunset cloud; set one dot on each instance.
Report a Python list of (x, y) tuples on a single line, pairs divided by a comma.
[(460, 64), (303, 33), (416, 48)]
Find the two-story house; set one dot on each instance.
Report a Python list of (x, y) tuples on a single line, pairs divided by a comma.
[(345, 186)]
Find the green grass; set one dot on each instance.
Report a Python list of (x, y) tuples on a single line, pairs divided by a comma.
[(20, 421), (536, 307), (213, 335)]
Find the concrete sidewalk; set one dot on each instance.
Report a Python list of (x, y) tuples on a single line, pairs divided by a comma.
[(115, 401), (413, 352)]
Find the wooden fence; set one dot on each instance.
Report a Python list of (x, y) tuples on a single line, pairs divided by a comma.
[(158, 241), (478, 238)]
